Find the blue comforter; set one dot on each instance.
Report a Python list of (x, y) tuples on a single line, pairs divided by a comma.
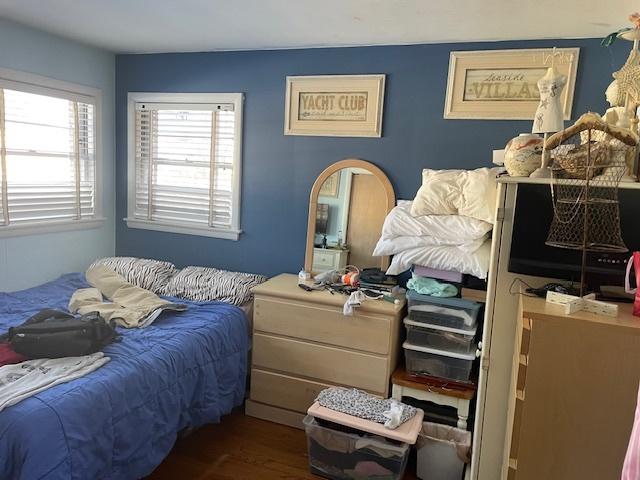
[(120, 421)]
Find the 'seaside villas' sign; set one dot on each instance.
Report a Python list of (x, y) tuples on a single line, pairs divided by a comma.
[(497, 85), (344, 106)]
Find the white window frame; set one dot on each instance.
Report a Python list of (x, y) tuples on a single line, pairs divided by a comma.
[(38, 84), (237, 99)]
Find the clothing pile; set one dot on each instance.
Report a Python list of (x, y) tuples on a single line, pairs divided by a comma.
[(446, 227), (126, 304), (336, 456), (72, 343)]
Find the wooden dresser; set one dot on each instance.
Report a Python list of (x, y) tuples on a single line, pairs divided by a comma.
[(573, 393), (302, 343)]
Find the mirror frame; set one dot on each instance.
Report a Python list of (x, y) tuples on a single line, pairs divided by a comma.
[(313, 202)]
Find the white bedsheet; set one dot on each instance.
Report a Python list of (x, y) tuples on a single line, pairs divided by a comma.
[(393, 246), (451, 229), (444, 257)]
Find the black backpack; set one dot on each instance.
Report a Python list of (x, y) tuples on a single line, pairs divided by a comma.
[(54, 334)]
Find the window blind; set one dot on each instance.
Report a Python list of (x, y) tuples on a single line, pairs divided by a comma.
[(47, 158), (184, 164)]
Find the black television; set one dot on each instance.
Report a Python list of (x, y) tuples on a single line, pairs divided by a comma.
[(531, 256), (322, 218)]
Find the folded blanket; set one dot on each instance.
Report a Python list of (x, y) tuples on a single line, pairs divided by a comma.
[(451, 229), (430, 286), (392, 246), (444, 258)]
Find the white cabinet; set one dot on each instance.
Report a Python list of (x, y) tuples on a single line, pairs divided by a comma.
[(329, 259)]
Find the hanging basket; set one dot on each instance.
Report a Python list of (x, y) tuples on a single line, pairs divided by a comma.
[(575, 162), (589, 159)]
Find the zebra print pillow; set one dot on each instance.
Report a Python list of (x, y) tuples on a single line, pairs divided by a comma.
[(204, 284), (145, 273)]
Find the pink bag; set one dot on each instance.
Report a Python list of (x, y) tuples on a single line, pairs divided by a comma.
[(635, 261)]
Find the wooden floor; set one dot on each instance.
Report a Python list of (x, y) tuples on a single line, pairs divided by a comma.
[(240, 448)]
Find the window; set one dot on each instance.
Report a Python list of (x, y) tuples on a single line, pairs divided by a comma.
[(48, 165), (184, 163)]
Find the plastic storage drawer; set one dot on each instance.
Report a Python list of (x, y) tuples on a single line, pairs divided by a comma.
[(438, 363), (337, 454), (436, 336), (448, 312)]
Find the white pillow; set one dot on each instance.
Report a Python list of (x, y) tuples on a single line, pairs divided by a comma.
[(471, 193), (444, 258), (450, 228)]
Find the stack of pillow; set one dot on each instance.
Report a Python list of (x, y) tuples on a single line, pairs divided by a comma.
[(446, 226)]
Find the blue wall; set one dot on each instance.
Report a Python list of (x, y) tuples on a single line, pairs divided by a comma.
[(278, 170), (29, 260)]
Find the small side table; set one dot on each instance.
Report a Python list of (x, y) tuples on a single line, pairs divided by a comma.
[(434, 390)]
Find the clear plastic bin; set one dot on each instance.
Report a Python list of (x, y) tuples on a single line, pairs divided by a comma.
[(438, 363), (337, 454), (425, 334), (448, 312)]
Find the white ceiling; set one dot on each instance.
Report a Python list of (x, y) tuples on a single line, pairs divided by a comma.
[(142, 26)]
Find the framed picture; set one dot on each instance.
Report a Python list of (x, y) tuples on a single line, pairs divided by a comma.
[(331, 186), (334, 105), (502, 84)]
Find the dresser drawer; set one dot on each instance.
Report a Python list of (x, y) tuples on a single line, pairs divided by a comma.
[(320, 362), (284, 391), (323, 324)]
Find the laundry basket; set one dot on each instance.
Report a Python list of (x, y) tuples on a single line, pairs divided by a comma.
[(443, 452)]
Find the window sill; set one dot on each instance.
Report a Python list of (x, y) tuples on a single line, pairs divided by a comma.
[(183, 229), (50, 227)]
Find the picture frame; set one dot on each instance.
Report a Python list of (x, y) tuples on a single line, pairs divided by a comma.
[(331, 186), (502, 84), (334, 105)]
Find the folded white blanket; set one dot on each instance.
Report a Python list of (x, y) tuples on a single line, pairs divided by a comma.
[(452, 229), (26, 379), (393, 246), (444, 257)]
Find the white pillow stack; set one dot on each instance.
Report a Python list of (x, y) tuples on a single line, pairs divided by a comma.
[(447, 225)]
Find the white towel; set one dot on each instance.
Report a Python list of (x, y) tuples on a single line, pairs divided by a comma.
[(25, 379)]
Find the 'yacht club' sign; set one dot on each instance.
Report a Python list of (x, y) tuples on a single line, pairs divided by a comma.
[(503, 84), (334, 105), (346, 106)]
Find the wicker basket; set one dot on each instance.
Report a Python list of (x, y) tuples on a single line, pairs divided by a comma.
[(573, 164)]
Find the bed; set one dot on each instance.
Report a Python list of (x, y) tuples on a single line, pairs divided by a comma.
[(120, 421)]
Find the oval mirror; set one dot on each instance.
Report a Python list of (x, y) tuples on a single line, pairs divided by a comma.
[(347, 207)]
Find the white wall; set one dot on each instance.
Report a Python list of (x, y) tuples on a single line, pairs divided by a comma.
[(30, 260)]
